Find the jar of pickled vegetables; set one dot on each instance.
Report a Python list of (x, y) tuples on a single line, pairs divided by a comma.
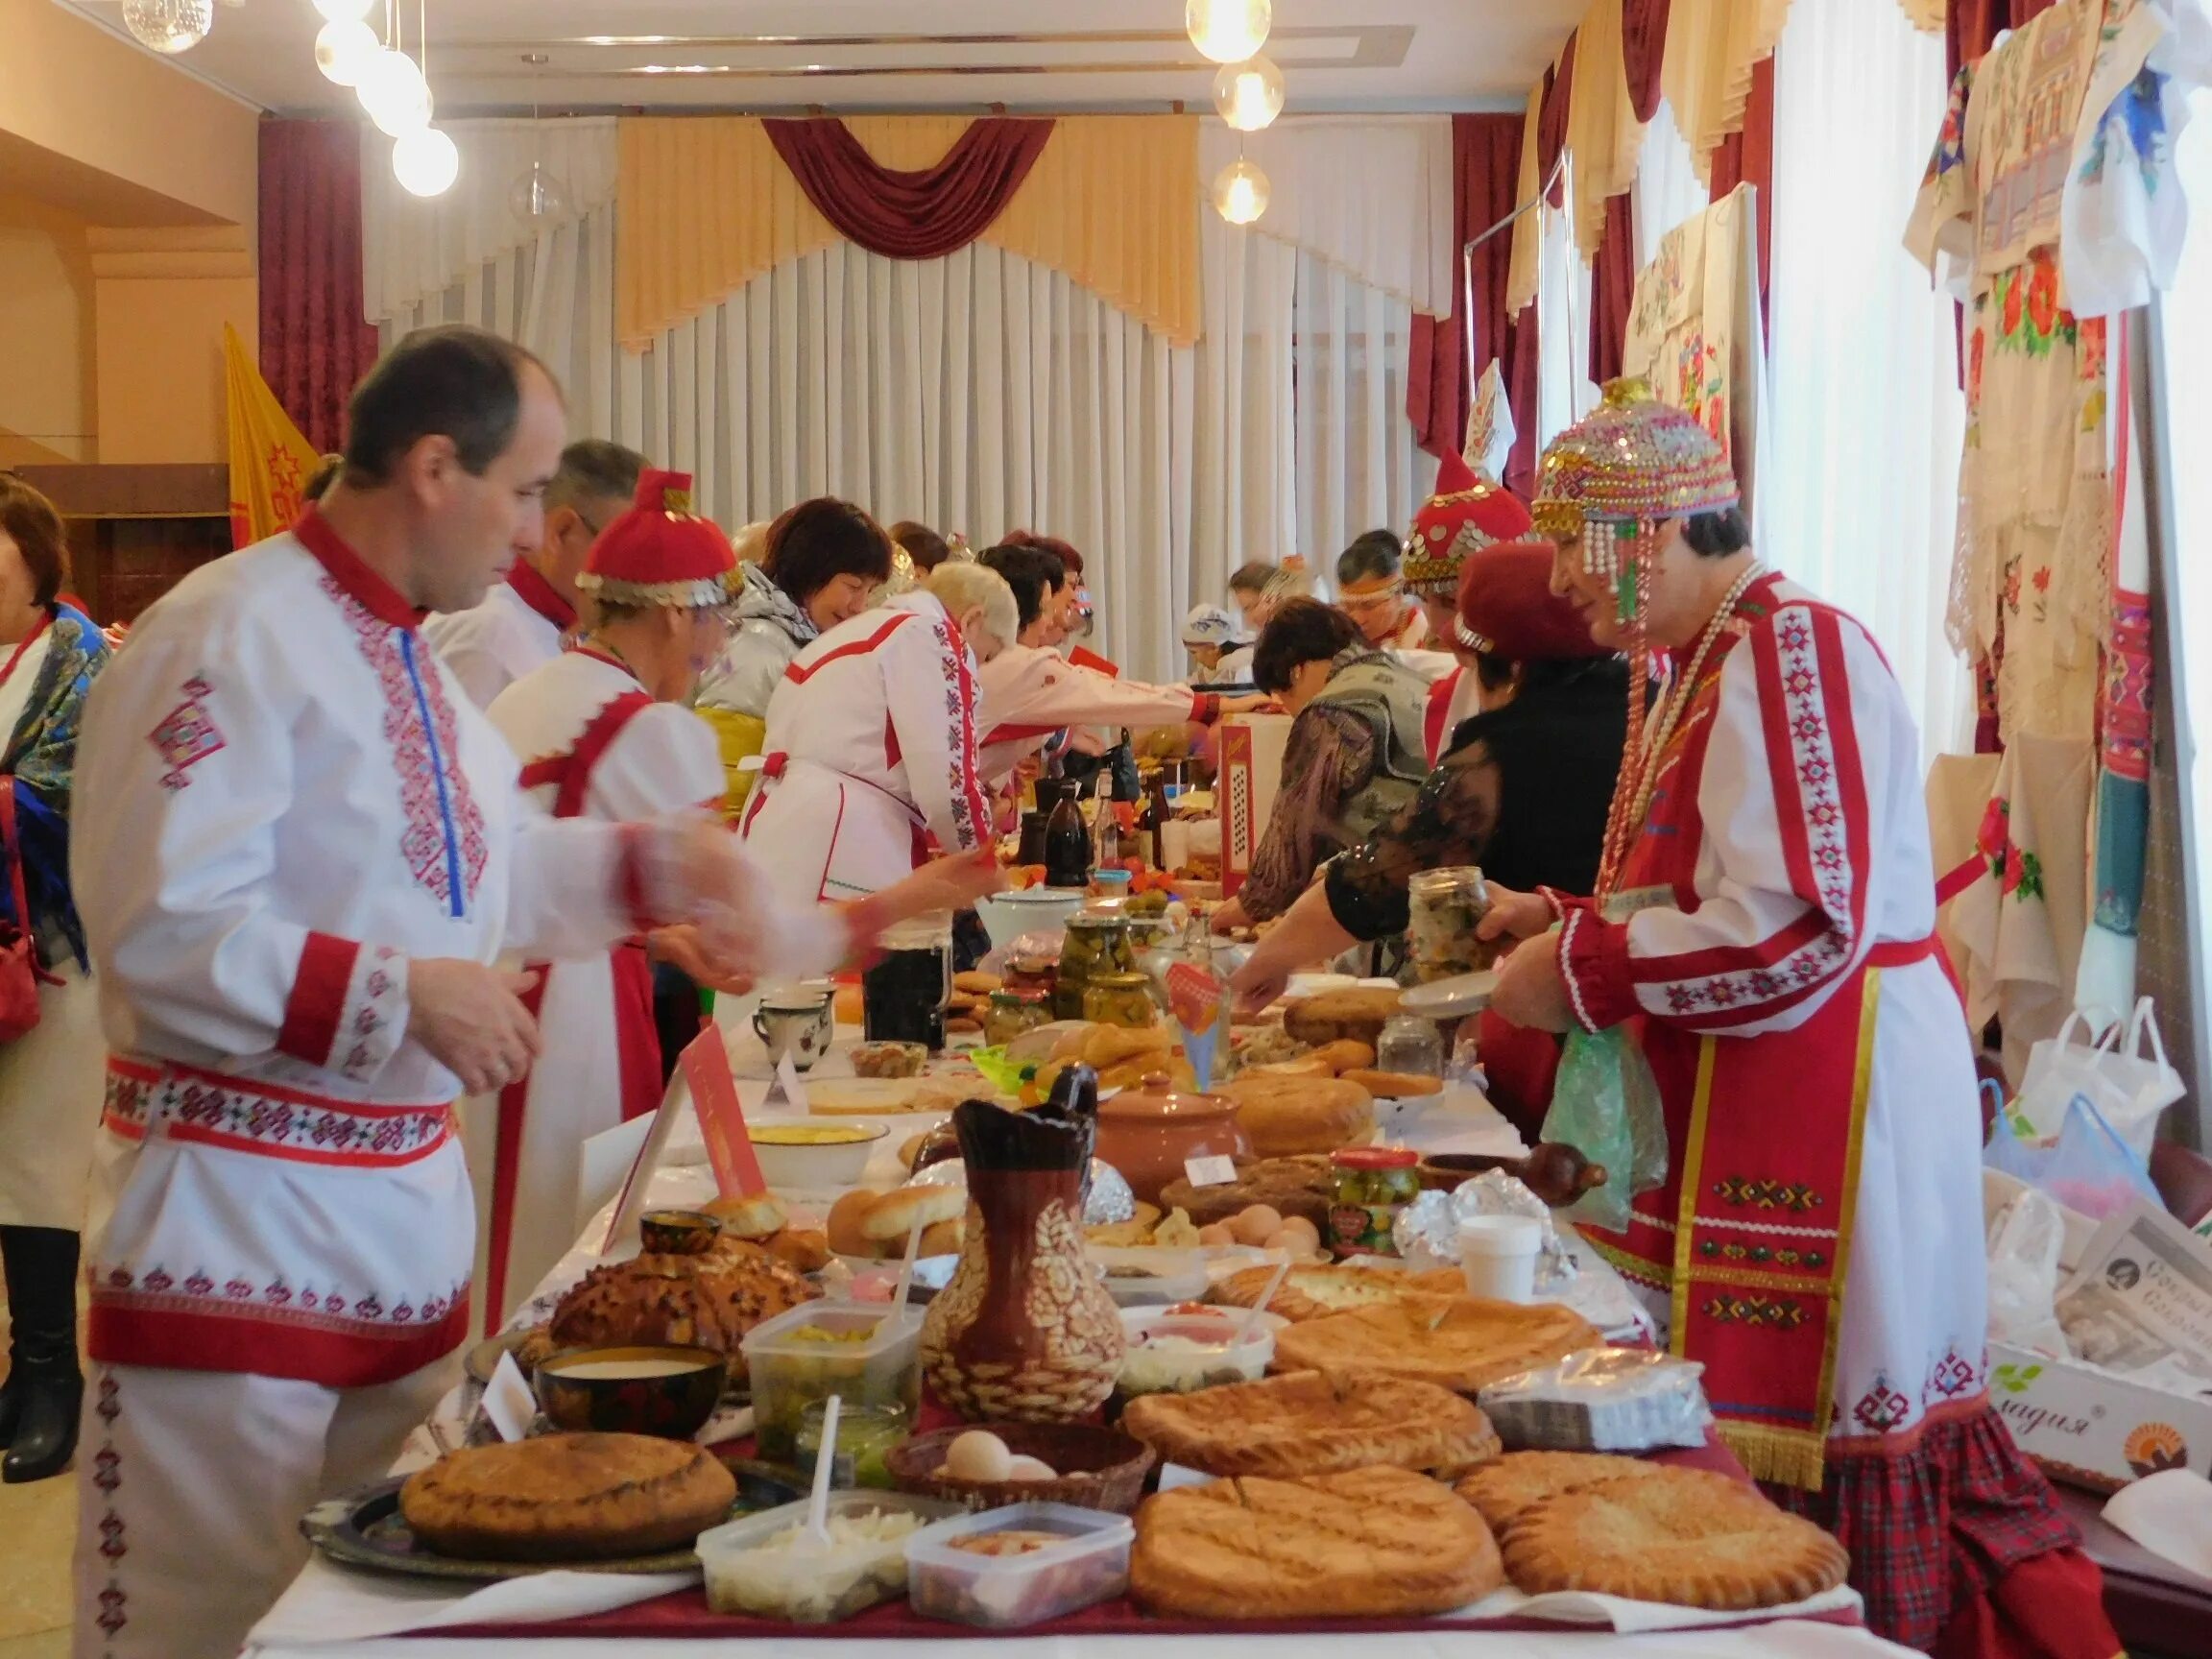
[(1015, 1010), (1121, 998), (1443, 909), (865, 1436), (1097, 943), (1372, 1183)]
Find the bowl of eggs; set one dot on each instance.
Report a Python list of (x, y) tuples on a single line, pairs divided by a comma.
[(1264, 1227), (1078, 1463)]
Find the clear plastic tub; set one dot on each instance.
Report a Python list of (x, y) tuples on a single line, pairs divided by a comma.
[(1072, 1559), (1173, 1353), (765, 1565), (1148, 1277), (868, 1352)]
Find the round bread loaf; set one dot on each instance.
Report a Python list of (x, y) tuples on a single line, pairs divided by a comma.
[(1289, 1115), (567, 1497), (1355, 1015), (1290, 1186)]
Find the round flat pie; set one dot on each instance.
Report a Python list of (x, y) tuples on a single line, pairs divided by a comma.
[(1464, 1344), (1502, 1489), (1307, 1423), (1368, 1543), (567, 1497), (1316, 1292), (1686, 1537)]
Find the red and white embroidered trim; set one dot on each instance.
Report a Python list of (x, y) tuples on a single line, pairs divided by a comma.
[(244, 1116), (187, 734), (107, 1477)]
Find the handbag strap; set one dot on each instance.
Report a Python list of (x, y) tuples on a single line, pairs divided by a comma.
[(10, 844)]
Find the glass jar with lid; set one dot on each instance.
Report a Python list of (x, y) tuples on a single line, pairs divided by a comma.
[(1097, 943), (1015, 1009), (1444, 907), (1412, 1045), (1120, 998), (1372, 1183)]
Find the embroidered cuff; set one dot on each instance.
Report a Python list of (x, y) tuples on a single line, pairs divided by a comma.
[(1562, 904), (348, 1010), (1594, 962)]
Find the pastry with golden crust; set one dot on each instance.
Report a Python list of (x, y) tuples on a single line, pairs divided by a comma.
[(708, 1301), (1304, 1423), (1464, 1344), (1288, 1185), (567, 1497), (1686, 1537), (1316, 1292), (1366, 1543), (1519, 1479), (1289, 1117)]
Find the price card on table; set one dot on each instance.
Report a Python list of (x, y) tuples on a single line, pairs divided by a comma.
[(705, 1067), (1216, 1171), (508, 1401)]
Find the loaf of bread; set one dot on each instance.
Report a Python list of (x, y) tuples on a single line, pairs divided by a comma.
[(1338, 1015), (1290, 1186), (1289, 1115), (567, 1497), (708, 1301)]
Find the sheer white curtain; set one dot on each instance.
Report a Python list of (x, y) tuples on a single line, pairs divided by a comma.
[(1858, 479), (1666, 191), (1564, 392), (1245, 467)]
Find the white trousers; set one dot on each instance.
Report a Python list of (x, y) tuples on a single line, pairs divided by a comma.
[(190, 1486)]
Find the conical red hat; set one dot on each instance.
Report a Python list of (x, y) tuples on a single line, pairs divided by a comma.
[(1465, 515), (659, 552)]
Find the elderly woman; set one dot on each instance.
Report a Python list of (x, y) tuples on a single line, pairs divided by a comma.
[(1354, 758), (822, 564), (51, 1074)]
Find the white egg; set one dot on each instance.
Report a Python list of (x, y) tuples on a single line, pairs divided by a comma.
[(978, 1456), (1023, 1468)]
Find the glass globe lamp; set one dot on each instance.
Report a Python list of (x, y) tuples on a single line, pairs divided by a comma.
[(537, 197), (169, 26), (393, 93), (1249, 95), (343, 48), (425, 162), (1228, 31), (1241, 192)]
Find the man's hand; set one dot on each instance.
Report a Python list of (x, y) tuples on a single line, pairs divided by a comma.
[(683, 949), (471, 1019), (1530, 990), (1514, 915)]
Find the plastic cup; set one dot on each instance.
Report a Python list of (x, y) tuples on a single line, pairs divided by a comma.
[(1497, 1256)]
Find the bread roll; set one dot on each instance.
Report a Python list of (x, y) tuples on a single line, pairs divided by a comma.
[(1287, 1117), (1345, 1055), (943, 1238), (844, 1224), (756, 1217), (1336, 1016), (891, 1217), (976, 983), (1395, 1085), (805, 1249)]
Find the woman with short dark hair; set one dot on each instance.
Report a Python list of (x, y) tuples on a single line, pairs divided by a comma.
[(51, 1076), (822, 565)]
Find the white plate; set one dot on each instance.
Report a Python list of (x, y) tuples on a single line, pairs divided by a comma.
[(1450, 998), (861, 1097)]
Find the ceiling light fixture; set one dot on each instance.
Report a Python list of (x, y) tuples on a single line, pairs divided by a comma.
[(1249, 95), (343, 48), (425, 162), (393, 93), (1241, 192), (536, 197), (169, 26), (1228, 31)]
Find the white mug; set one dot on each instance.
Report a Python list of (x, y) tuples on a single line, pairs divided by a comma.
[(796, 1022)]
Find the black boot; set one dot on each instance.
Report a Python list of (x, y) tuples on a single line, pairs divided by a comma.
[(48, 1385)]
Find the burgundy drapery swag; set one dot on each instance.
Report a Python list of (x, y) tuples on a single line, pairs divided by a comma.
[(902, 215), (1643, 44), (315, 343)]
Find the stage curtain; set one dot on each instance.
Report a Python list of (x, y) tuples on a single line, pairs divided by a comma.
[(1713, 49), (925, 213), (1604, 135), (1486, 175), (1642, 49), (315, 340), (1971, 27), (1613, 288), (708, 206), (1747, 156), (1527, 233)]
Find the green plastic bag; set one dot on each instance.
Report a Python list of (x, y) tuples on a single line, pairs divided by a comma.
[(1605, 1105)]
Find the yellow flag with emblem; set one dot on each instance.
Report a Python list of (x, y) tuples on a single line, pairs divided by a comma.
[(270, 461)]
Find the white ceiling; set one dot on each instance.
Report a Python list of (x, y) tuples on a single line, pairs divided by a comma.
[(1057, 55)]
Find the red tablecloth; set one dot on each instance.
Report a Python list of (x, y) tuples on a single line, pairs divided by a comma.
[(686, 1613)]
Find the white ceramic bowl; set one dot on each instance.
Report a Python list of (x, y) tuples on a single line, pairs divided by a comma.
[(1007, 915), (814, 1165)]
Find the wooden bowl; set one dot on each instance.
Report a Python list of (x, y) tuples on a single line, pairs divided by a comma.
[(640, 1389), (1100, 1468)]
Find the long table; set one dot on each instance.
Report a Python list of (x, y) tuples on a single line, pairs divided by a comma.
[(330, 1611)]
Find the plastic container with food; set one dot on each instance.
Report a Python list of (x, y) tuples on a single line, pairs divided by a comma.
[(889, 1059), (1150, 1277), (813, 1157), (867, 1354), (1020, 1565), (1180, 1351), (770, 1566)]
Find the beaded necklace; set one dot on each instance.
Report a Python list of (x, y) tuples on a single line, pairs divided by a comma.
[(1632, 798)]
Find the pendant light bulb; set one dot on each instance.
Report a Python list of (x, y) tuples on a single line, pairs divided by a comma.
[(169, 26), (393, 93), (425, 162), (1249, 95), (1228, 31), (343, 48), (1241, 192), (536, 197)]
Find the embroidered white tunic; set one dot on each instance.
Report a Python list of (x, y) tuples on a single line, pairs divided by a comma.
[(492, 645), (1025, 694), (596, 1012), (870, 748), (282, 800)]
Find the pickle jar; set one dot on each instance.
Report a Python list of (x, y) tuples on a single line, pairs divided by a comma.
[(1097, 943), (1443, 909), (1372, 1183), (1121, 998), (865, 1436), (1014, 1010)]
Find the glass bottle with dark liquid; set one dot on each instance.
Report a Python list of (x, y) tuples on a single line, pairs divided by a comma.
[(903, 995), (1067, 847)]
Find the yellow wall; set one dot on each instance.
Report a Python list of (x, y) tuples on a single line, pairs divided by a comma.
[(163, 297), (47, 396)]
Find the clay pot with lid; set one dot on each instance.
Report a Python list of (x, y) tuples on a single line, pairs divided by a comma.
[(1149, 1132)]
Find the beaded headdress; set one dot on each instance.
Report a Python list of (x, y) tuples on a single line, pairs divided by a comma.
[(1466, 514), (660, 553), (1616, 475)]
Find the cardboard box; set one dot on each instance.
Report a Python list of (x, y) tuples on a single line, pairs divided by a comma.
[(2093, 1429), (1252, 747)]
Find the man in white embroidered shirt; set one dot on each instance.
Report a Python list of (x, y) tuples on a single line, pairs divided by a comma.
[(300, 849), (527, 616)]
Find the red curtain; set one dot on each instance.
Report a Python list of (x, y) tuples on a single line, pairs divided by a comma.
[(1971, 27), (1486, 177), (922, 215), (1643, 43), (1613, 288), (315, 343), (1747, 157)]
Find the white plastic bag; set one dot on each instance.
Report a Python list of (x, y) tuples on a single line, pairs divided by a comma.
[(2024, 1246), (2130, 1089)]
